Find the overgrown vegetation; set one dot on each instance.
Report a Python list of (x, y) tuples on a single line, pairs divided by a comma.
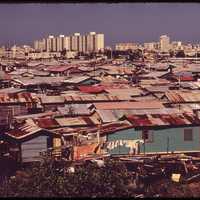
[(88, 180), (53, 179)]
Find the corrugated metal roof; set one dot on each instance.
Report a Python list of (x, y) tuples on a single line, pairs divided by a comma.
[(77, 79), (69, 121), (128, 105), (89, 98), (59, 68), (46, 123), (91, 89), (11, 90), (75, 109), (24, 130), (52, 99), (154, 74), (156, 120), (39, 80), (157, 81), (125, 94), (182, 97), (24, 97)]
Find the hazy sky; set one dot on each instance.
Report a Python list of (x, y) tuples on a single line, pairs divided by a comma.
[(121, 22)]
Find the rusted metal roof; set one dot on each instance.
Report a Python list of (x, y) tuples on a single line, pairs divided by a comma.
[(128, 105), (52, 99), (91, 89), (90, 98), (23, 130), (24, 97), (46, 123), (103, 129), (11, 90), (59, 68), (125, 94), (75, 109), (156, 120), (182, 97), (77, 79), (115, 115), (39, 80)]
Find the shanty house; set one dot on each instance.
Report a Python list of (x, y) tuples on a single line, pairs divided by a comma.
[(157, 134), (27, 140)]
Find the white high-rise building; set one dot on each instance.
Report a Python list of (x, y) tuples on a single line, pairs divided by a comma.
[(67, 43), (84, 43), (36, 44), (40, 45), (54, 44), (99, 42), (90, 41), (60, 42), (49, 43), (75, 42), (164, 43)]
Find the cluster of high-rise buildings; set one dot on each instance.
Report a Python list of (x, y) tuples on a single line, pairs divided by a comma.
[(91, 42), (163, 45)]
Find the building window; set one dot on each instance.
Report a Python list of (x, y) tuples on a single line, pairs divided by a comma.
[(147, 135), (188, 135)]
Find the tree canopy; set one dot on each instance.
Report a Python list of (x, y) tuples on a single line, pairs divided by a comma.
[(88, 180)]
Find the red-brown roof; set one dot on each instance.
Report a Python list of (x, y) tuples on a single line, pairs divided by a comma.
[(46, 123), (91, 89), (128, 105), (163, 120)]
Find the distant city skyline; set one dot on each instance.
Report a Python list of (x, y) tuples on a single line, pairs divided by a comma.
[(121, 22)]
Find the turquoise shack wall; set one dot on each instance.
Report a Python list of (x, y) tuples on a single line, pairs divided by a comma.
[(160, 143)]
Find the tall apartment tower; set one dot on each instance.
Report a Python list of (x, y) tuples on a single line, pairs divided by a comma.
[(60, 42), (36, 45), (99, 42), (75, 42), (54, 44), (91, 42), (164, 43), (67, 43), (94, 42), (40, 45), (84, 43), (49, 43)]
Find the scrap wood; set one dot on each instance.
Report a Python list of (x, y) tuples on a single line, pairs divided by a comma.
[(193, 178)]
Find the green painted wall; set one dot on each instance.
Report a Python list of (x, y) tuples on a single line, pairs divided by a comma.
[(160, 140)]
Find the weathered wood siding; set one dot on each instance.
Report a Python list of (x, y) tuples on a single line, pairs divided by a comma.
[(31, 149)]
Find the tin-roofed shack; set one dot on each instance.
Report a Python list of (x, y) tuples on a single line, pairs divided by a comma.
[(26, 141), (156, 134)]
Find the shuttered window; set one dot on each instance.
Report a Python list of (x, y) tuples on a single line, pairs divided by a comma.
[(188, 135), (147, 135)]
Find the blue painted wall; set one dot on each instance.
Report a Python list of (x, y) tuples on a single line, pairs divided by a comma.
[(160, 143)]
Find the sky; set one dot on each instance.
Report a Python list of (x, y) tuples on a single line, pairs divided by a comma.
[(120, 22)]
